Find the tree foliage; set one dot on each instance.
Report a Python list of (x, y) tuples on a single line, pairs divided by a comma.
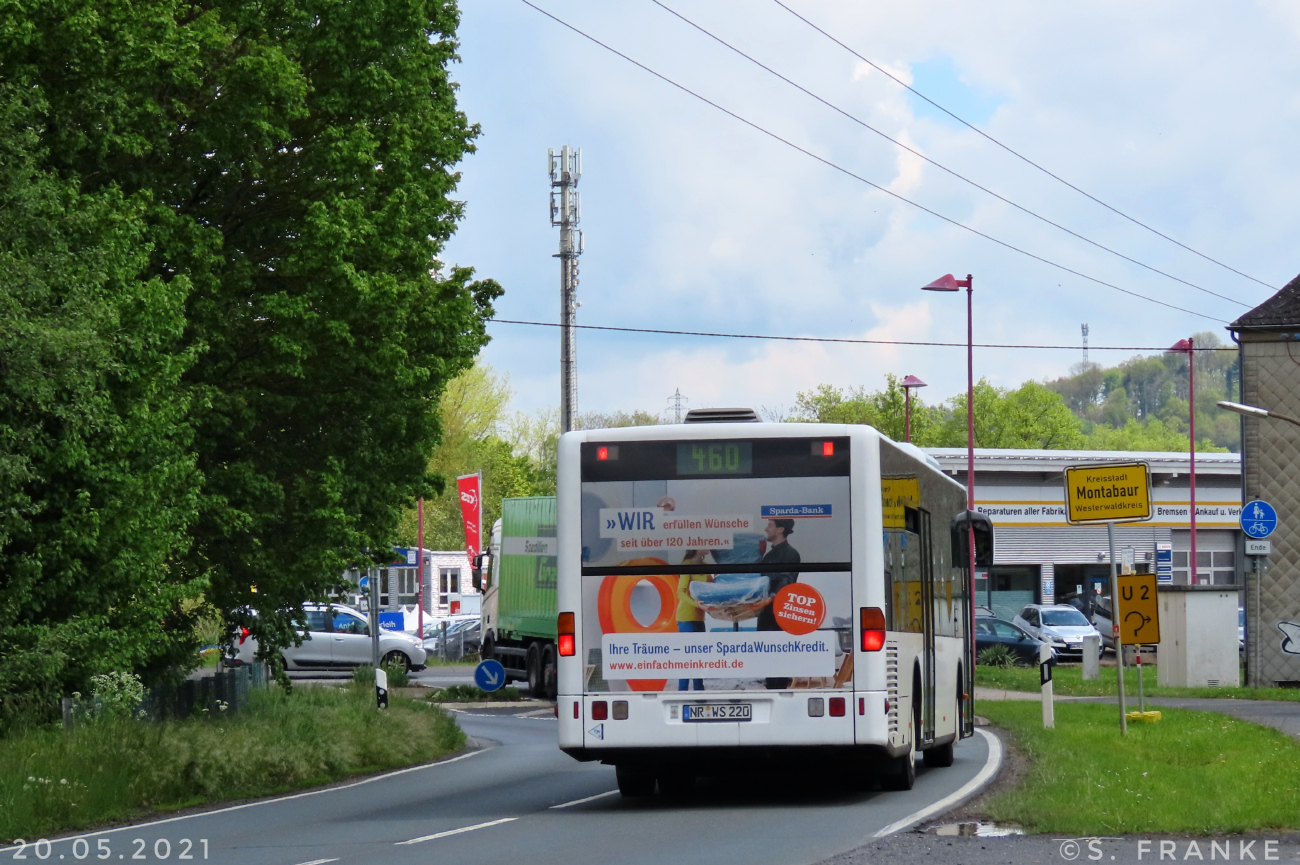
[(1145, 389), (98, 486), (476, 438), (273, 184)]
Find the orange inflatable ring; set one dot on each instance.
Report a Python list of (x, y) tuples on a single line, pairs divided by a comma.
[(615, 607)]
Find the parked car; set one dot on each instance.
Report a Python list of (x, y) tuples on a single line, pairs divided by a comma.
[(992, 631), (1103, 621), (433, 627), (337, 638), (463, 637), (1062, 626)]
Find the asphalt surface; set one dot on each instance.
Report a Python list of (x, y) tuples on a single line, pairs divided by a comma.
[(519, 800)]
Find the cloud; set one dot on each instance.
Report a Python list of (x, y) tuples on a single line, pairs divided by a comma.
[(1182, 115)]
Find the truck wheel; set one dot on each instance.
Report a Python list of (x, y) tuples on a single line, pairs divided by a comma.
[(485, 653), (550, 673), (634, 781), (533, 667)]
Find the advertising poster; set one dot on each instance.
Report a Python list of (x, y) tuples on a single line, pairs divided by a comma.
[(717, 584), (471, 511)]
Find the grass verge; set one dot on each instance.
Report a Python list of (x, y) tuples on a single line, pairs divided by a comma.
[(1196, 772), (1068, 681), (52, 780)]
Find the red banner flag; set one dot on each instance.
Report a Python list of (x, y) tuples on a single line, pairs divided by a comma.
[(471, 509)]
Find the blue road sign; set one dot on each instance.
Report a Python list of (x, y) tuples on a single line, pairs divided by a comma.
[(364, 584), (490, 675), (1258, 519)]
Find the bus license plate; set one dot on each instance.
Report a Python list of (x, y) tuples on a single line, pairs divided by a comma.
[(717, 712)]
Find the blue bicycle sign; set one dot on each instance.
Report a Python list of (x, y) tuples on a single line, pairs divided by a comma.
[(1258, 519)]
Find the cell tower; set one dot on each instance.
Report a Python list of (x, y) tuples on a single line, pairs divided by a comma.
[(566, 212), (677, 399), (1084, 327)]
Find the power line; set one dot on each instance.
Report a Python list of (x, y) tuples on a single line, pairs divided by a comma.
[(864, 180), (940, 165), (1020, 156), (844, 340)]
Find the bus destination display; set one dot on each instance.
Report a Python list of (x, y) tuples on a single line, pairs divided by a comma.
[(715, 458)]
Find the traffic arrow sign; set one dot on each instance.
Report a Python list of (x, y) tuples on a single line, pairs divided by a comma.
[(490, 675)]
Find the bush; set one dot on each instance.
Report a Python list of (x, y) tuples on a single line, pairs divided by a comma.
[(397, 675), (996, 656), (117, 693), (472, 694)]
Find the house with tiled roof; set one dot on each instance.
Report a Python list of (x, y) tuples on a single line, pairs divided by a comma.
[(1269, 342)]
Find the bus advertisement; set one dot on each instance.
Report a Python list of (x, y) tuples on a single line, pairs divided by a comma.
[(732, 588)]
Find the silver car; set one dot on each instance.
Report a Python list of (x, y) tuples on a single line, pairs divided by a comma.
[(1061, 626), (338, 638)]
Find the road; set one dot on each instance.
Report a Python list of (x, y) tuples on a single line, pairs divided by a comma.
[(519, 800)]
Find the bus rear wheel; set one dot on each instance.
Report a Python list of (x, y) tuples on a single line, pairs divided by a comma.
[(634, 781)]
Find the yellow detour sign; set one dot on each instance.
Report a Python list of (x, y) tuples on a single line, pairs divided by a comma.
[(1116, 492), (895, 494), (1139, 614)]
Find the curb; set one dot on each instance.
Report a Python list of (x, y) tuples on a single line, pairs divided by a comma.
[(947, 803)]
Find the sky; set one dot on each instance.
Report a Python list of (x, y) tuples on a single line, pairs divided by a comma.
[(1181, 115)]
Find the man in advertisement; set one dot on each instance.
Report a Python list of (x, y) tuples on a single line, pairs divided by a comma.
[(779, 552)]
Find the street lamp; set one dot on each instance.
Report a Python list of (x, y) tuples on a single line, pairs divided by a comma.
[(948, 282), (1256, 411), (908, 383), (1188, 346)]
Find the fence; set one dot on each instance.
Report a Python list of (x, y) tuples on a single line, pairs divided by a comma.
[(223, 692)]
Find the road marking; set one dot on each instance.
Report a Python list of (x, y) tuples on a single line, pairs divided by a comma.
[(263, 801), (981, 778), (457, 831), (588, 799), (320, 861)]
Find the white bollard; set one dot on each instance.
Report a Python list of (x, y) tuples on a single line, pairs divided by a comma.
[(1091, 657), (1045, 665)]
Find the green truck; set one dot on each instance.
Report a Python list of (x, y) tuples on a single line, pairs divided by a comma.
[(519, 602)]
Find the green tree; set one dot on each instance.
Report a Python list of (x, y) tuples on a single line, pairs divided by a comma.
[(473, 417), (97, 484), (884, 409), (293, 163), (1029, 417)]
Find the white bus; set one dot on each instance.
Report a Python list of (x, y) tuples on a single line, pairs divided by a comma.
[(737, 592)]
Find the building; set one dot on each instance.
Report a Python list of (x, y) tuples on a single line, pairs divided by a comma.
[(448, 589), (1040, 558), (1269, 345)]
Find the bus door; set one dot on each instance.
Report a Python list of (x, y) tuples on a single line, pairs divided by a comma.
[(919, 523)]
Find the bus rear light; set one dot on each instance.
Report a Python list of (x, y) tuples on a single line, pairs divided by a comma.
[(836, 707), (828, 449), (816, 707), (873, 629), (575, 710), (565, 629), (599, 710), (607, 452), (620, 710)]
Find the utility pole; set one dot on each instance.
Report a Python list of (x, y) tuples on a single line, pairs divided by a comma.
[(566, 212), (677, 399), (1084, 327)]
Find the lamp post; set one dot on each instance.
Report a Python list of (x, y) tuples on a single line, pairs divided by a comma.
[(1188, 346), (908, 384), (1256, 411), (948, 282)]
